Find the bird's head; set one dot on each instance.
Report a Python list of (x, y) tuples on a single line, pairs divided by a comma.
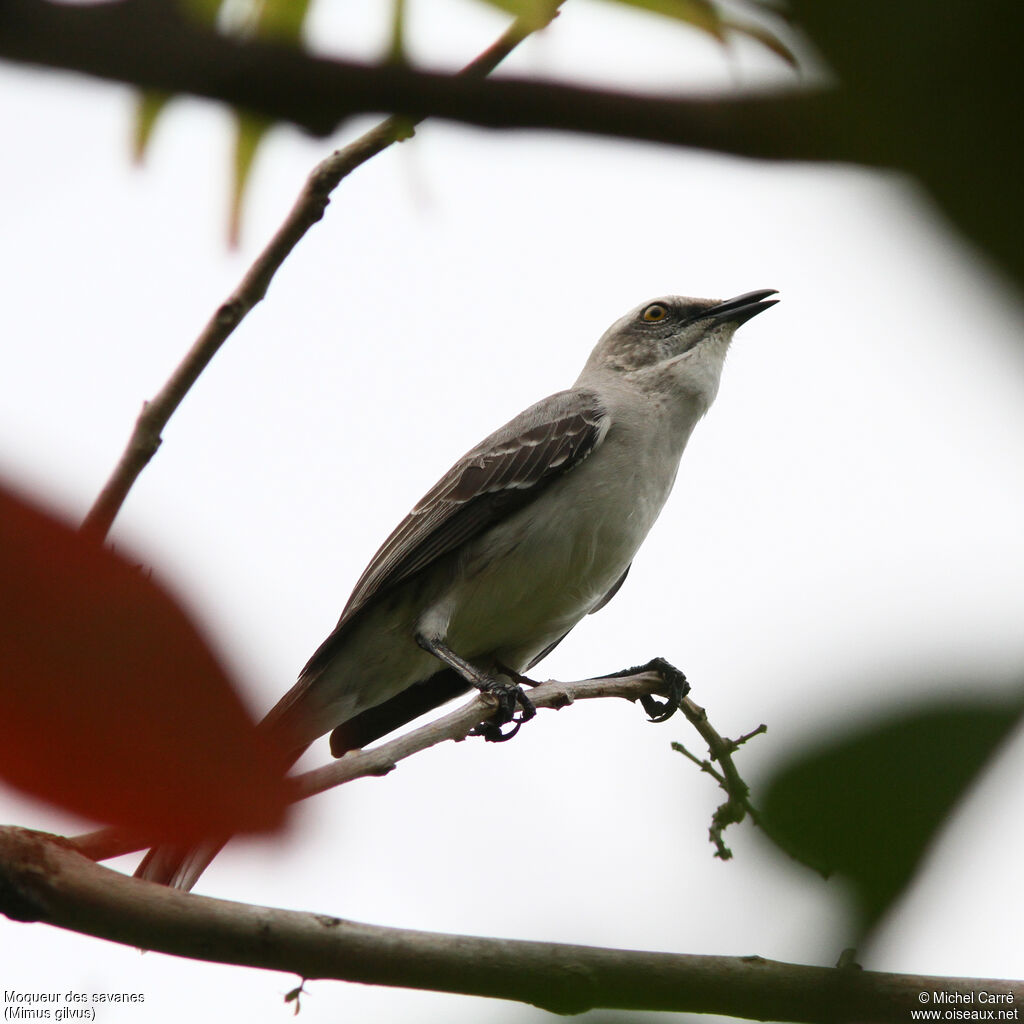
[(661, 330)]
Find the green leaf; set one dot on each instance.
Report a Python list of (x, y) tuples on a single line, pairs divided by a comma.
[(249, 132), (150, 104), (281, 19), (273, 19), (148, 107), (396, 48), (867, 805)]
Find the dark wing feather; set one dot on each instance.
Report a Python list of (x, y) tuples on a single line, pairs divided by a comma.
[(504, 472), (399, 710)]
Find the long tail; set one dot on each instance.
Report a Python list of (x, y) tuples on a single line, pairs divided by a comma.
[(180, 866)]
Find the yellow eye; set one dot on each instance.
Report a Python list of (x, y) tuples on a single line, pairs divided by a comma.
[(655, 312)]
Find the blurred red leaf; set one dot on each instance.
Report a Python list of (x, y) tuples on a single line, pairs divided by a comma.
[(111, 704)]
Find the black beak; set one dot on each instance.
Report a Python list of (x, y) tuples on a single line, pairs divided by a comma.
[(742, 308)]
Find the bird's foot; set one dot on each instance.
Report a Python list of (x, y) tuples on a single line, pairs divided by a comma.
[(510, 695), (678, 688), (509, 692), (675, 681)]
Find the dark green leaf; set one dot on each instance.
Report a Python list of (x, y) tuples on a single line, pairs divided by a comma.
[(867, 804), (934, 90)]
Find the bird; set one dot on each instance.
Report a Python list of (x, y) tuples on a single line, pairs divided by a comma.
[(530, 531)]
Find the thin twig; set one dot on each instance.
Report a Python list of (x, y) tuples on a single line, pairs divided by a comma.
[(380, 760), (41, 880), (702, 763), (457, 725), (737, 805), (307, 210), (759, 731)]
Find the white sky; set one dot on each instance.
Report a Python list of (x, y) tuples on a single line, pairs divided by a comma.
[(847, 517)]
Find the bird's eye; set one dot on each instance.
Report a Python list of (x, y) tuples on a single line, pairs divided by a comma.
[(655, 312)]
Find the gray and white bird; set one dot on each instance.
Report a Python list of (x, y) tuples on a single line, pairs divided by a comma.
[(530, 531)]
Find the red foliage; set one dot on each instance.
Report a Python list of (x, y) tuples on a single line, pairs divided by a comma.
[(111, 703)]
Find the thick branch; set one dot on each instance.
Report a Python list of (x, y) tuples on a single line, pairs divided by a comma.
[(146, 44), (41, 880)]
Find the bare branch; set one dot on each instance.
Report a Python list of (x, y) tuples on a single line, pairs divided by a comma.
[(307, 210), (457, 725), (738, 805), (43, 880), (380, 760)]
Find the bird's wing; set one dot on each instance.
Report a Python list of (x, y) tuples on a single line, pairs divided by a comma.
[(503, 473)]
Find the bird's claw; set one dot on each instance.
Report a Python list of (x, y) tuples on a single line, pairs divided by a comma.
[(678, 688), (657, 710), (510, 696), (492, 733)]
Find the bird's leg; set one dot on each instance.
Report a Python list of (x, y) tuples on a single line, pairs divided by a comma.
[(516, 677), (509, 694), (678, 688)]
